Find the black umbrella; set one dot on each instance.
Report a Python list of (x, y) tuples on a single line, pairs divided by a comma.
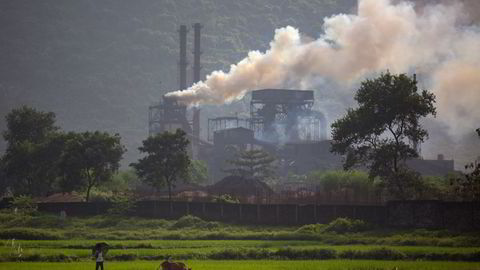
[(103, 247)]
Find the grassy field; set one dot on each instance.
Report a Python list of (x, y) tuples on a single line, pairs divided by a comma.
[(42, 241), (257, 265)]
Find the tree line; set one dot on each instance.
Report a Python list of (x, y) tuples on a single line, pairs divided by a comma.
[(42, 159)]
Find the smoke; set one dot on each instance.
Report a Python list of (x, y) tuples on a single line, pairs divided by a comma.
[(432, 41)]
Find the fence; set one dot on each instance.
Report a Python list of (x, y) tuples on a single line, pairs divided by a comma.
[(400, 214)]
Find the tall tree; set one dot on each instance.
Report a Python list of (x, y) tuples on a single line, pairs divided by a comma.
[(30, 159), (89, 160), (254, 163), (384, 130), (166, 160)]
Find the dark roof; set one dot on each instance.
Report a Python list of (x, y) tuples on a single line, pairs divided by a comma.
[(240, 186)]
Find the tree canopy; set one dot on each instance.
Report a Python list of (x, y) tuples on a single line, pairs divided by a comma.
[(89, 160), (166, 160), (254, 163), (29, 162), (383, 131)]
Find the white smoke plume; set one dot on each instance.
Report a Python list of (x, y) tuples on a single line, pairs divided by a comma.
[(383, 35)]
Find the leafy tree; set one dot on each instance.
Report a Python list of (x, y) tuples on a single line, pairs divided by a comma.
[(383, 131), (89, 160), (28, 124), (253, 163), (33, 150), (166, 160)]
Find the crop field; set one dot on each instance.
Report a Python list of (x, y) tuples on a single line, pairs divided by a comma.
[(201, 249), (256, 264), (43, 242)]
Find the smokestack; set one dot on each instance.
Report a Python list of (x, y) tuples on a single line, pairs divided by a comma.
[(196, 78), (182, 64), (196, 52)]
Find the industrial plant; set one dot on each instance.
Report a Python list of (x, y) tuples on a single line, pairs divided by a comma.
[(282, 122)]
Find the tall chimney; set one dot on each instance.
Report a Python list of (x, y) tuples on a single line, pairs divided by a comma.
[(196, 78), (196, 52), (182, 64)]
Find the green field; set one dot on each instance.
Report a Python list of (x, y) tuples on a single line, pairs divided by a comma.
[(42, 241), (257, 265)]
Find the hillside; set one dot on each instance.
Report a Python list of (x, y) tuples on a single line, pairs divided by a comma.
[(99, 64)]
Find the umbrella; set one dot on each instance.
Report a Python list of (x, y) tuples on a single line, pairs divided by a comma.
[(102, 247)]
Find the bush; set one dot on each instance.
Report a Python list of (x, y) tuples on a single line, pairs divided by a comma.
[(28, 234), (190, 221), (346, 225), (311, 228), (24, 204), (225, 198), (374, 254), (307, 254)]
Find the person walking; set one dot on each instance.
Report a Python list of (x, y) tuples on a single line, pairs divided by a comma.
[(99, 259)]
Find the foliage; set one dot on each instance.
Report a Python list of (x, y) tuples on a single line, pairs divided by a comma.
[(89, 160), (255, 163), (198, 172), (28, 124), (166, 160), (122, 181), (24, 205), (346, 225), (190, 221), (383, 131), (467, 186), (225, 198), (122, 206), (343, 181), (33, 150), (28, 234)]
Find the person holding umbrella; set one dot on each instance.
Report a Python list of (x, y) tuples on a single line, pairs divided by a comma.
[(99, 251)]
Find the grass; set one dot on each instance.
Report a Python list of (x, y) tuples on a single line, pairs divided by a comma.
[(257, 264), (192, 238)]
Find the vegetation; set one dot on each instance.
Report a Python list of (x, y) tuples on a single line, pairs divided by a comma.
[(255, 164), (383, 131), (258, 264), (40, 159), (29, 162), (89, 159), (225, 198), (198, 172), (166, 160)]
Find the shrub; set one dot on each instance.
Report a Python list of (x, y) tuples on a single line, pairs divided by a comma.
[(28, 234), (24, 204), (311, 228), (374, 254), (122, 205), (225, 198), (190, 221), (320, 254), (346, 225)]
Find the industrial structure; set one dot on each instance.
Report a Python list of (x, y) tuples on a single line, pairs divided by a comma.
[(168, 114), (282, 122)]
